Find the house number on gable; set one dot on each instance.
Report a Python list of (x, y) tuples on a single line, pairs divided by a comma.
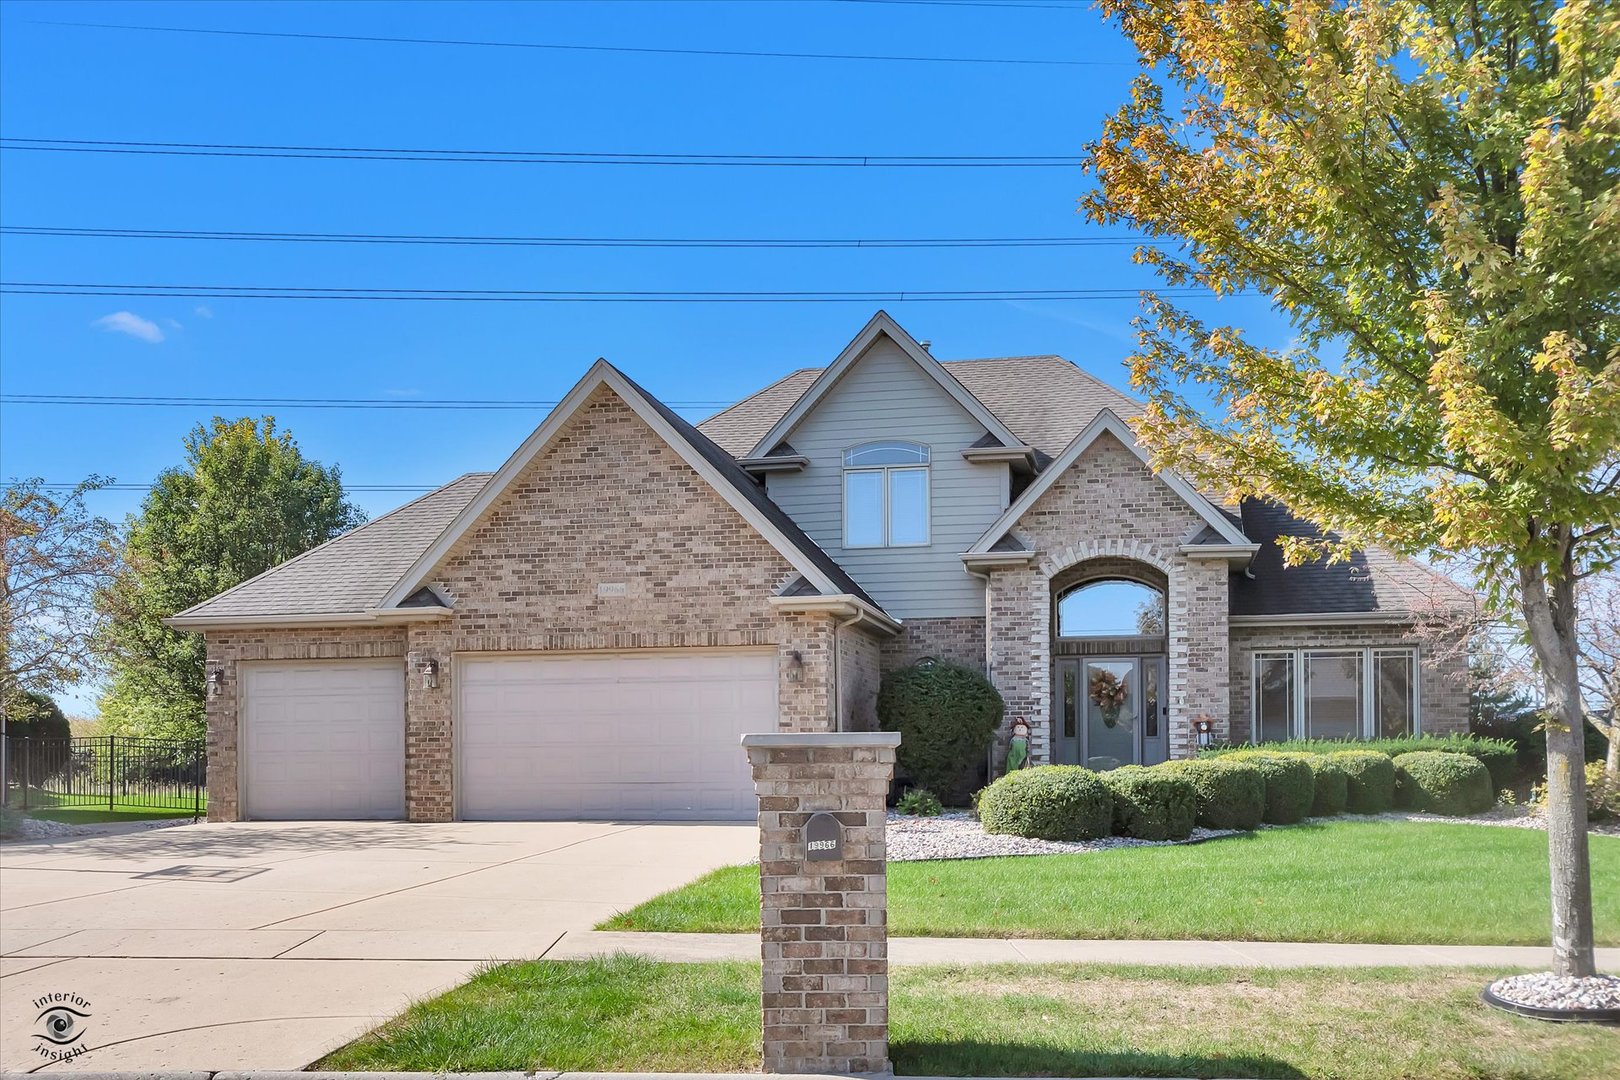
[(823, 838)]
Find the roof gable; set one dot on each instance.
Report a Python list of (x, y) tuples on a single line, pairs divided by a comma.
[(880, 325), (709, 461), (1107, 422)]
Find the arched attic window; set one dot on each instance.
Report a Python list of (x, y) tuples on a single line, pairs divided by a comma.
[(886, 501), (1113, 607)]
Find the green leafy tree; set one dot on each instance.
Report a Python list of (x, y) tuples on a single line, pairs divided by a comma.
[(245, 500), (1427, 189)]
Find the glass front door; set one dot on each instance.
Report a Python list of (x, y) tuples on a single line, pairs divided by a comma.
[(1109, 711)]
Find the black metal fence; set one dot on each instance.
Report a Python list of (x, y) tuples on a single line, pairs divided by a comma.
[(107, 772)]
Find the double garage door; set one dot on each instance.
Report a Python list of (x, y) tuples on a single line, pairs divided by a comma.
[(647, 736)]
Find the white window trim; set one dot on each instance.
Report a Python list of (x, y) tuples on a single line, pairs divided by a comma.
[(1369, 656), (886, 471)]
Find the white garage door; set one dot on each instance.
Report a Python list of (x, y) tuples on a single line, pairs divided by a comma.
[(324, 740), (612, 736)]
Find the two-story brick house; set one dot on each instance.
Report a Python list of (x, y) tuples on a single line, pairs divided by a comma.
[(587, 631)]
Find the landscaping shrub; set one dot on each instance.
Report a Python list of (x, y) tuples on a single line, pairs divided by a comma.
[(1231, 794), (1438, 783), (1048, 802), (919, 802), (1599, 804), (1498, 755), (946, 715), (1370, 780), (1290, 785), (1332, 785), (36, 716), (1151, 804)]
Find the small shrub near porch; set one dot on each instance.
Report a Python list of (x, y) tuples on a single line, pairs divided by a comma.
[(946, 715), (1151, 804), (1290, 784), (1442, 783), (1049, 802)]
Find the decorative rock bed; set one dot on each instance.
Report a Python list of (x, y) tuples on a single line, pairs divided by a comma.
[(1546, 996), (1512, 817), (956, 834)]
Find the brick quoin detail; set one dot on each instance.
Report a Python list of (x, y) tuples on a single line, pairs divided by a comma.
[(823, 924)]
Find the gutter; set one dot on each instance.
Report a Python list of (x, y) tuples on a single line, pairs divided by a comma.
[(372, 617), (1321, 617), (844, 604)]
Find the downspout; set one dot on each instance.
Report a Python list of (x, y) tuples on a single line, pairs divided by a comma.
[(838, 683), (990, 754)]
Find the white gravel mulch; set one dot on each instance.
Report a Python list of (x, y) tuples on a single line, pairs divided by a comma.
[(39, 829), (955, 834), (1544, 990), (1513, 817)]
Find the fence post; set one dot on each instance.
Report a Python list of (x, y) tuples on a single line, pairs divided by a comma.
[(28, 769), (198, 763)]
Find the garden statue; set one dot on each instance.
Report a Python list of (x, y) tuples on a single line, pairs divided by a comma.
[(1018, 746)]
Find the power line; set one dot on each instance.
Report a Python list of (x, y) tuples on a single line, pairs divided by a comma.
[(575, 241), (533, 296), (148, 487), (171, 401), (543, 157), (561, 47)]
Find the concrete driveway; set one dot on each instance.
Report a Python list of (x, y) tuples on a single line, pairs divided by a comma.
[(264, 945)]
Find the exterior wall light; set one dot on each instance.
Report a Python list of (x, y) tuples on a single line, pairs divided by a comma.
[(795, 666), (216, 682), (1205, 727), (430, 674)]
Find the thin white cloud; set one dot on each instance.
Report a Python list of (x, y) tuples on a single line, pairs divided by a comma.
[(127, 322), (203, 311), (173, 324)]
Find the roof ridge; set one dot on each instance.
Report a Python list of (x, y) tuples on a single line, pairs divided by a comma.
[(302, 555)]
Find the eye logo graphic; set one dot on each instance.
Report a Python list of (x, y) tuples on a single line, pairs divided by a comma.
[(60, 1026)]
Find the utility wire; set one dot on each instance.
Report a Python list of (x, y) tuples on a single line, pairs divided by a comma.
[(543, 157), (346, 487), (171, 401), (299, 292), (561, 47), (575, 241)]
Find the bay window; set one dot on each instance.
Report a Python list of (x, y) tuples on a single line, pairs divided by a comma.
[(1351, 693), (886, 495)]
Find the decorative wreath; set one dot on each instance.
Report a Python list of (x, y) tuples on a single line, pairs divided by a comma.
[(1108, 694)]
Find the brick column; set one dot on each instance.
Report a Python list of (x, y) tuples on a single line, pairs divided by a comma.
[(824, 922)]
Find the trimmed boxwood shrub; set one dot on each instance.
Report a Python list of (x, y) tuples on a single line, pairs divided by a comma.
[(1290, 787), (1151, 804), (1498, 755), (1370, 776), (1332, 785), (1436, 783), (1231, 794), (946, 715), (1048, 802)]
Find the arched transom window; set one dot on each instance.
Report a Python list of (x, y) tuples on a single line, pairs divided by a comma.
[(1111, 608), (886, 495)]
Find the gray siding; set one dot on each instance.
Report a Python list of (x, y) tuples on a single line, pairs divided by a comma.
[(885, 396)]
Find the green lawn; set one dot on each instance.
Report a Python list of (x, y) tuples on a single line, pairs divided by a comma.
[(43, 805), (1343, 881), (1060, 1020)]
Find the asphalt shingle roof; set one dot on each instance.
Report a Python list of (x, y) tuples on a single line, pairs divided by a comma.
[(1372, 581), (353, 572), (1044, 400)]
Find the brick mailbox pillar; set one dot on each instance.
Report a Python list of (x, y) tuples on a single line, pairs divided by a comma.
[(823, 883)]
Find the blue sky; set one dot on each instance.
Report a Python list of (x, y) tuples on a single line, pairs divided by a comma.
[(65, 82)]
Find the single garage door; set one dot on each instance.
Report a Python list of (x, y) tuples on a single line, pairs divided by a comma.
[(611, 736), (324, 740)]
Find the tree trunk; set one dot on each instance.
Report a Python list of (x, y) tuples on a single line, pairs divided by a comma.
[(1549, 610)]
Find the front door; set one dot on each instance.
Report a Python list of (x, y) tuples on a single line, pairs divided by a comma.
[(1109, 711)]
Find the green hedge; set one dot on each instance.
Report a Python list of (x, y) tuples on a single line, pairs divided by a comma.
[(1231, 794), (1332, 785), (1151, 803), (1440, 783), (1371, 780), (1290, 785), (1048, 802), (947, 716), (1499, 756)]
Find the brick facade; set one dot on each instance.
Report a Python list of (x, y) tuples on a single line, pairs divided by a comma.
[(959, 639), (1442, 671), (1109, 507), (608, 501), (823, 924)]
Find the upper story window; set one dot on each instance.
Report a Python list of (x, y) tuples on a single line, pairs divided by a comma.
[(886, 495), (1111, 608)]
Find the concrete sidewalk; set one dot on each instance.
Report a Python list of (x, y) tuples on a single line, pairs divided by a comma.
[(904, 951)]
